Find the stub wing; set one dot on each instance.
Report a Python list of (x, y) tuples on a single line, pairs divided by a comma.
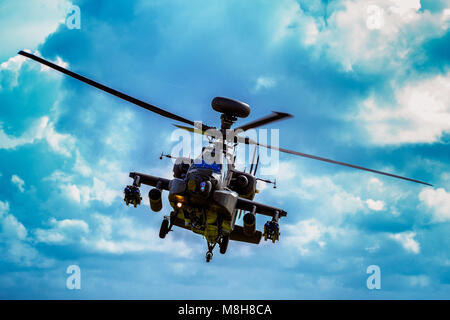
[(150, 180), (248, 205)]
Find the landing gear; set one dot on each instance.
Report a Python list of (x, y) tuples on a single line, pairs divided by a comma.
[(209, 256), (223, 244), (209, 253), (164, 230), (132, 195), (167, 224)]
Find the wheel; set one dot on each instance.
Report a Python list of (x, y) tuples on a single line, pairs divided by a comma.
[(209, 256), (164, 228), (224, 244)]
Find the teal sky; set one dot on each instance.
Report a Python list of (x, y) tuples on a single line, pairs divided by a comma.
[(367, 84)]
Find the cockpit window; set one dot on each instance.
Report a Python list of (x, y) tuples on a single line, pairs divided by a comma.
[(212, 166)]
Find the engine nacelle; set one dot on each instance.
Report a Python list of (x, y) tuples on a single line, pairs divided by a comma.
[(242, 181), (244, 184), (249, 224), (155, 199)]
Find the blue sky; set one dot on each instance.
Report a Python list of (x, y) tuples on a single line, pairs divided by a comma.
[(367, 85)]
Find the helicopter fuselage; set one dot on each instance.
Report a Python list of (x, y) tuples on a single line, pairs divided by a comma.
[(193, 201)]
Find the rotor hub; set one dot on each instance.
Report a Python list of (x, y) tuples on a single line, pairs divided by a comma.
[(230, 109)]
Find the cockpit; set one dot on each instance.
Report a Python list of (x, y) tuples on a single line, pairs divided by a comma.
[(208, 163)]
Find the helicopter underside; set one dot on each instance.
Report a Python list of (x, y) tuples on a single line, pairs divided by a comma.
[(209, 223)]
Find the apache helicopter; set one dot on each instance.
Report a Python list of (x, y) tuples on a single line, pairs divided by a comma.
[(207, 194)]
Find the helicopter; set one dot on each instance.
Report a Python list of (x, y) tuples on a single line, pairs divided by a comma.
[(208, 194)]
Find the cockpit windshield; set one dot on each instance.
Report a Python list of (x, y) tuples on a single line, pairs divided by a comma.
[(216, 168), (208, 160)]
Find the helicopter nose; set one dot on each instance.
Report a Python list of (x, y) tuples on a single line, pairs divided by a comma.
[(192, 185), (199, 187)]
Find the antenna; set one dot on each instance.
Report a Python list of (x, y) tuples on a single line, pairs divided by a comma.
[(256, 167), (253, 160)]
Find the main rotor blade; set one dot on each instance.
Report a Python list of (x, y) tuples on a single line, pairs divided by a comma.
[(274, 116), (213, 131), (116, 93), (250, 141)]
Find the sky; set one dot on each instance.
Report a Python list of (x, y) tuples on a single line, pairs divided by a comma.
[(368, 82)]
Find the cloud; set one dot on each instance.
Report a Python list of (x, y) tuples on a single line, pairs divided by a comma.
[(66, 231), (420, 281), (123, 235), (118, 235), (15, 244), (264, 83), (333, 200), (420, 113), (9, 71), (105, 185), (12, 228), (18, 182), (42, 129), (29, 23), (305, 47), (305, 234), (360, 35), (73, 193), (437, 201), (406, 239), (398, 28), (376, 205)]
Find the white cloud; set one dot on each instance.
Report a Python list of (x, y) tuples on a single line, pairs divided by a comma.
[(420, 281), (14, 64), (438, 202), (122, 235), (364, 33), (29, 23), (405, 7), (60, 143), (283, 171), (375, 183), (400, 26), (81, 166), (15, 245), (4, 207), (18, 182), (376, 205), (406, 239), (65, 231), (12, 228), (11, 66), (306, 233), (110, 235), (42, 129), (334, 200), (83, 193), (264, 83), (420, 114)]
